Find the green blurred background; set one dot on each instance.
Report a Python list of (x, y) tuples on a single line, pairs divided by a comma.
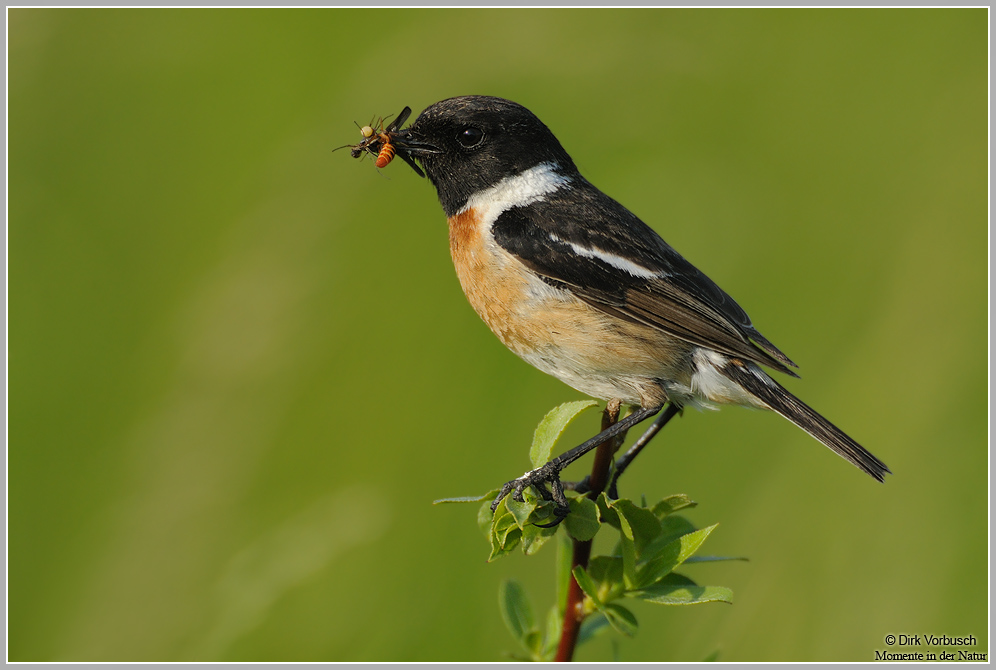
[(241, 366)]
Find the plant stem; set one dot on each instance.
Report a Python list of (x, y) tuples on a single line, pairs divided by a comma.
[(574, 612)]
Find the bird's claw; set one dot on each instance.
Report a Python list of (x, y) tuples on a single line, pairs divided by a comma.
[(538, 479)]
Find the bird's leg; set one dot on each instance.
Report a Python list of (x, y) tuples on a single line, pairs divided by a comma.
[(550, 472), (595, 483), (669, 413)]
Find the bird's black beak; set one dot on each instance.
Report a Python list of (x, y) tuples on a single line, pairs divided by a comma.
[(409, 147), (412, 143)]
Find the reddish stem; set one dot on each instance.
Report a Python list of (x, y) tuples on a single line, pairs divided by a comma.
[(574, 613)]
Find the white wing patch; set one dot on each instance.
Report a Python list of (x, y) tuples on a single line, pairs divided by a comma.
[(615, 261)]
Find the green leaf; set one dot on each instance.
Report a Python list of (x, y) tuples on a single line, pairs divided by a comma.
[(672, 527), (485, 518), (658, 566), (628, 549), (679, 590), (534, 537), (520, 510), (554, 625), (552, 426), (671, 556), (502, 520), (588, 586), (582, 523), (516, 610), (672, 504), (496, 550), (508, 535), (467, 499), (592, 626), (621, 619), (713, 559), (606, 570), (645, 526), (607, 573), (505, 545), (606, 515), (565, 556), (691, 542), (627, 545), (504, 535), (534, 643), (675, 579)]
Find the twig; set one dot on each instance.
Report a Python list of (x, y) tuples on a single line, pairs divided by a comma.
[(574, 612)]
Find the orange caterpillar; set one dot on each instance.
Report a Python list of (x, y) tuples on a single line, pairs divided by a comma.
[(386, 154)]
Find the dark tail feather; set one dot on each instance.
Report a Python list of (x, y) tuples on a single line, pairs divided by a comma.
[(780, 400)]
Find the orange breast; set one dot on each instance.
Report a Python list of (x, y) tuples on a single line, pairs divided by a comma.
[(494, 288)]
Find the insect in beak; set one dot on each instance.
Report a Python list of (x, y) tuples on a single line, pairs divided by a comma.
[(386, 142)]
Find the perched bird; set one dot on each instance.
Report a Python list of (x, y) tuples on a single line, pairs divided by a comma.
[(579, 287)]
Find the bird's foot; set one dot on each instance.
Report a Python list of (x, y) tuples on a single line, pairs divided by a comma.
[(538, 479)]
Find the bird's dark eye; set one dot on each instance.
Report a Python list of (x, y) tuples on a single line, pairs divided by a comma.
[(470, 137)]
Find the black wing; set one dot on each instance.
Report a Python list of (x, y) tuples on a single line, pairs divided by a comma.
[(616, 263), (399, 120)]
